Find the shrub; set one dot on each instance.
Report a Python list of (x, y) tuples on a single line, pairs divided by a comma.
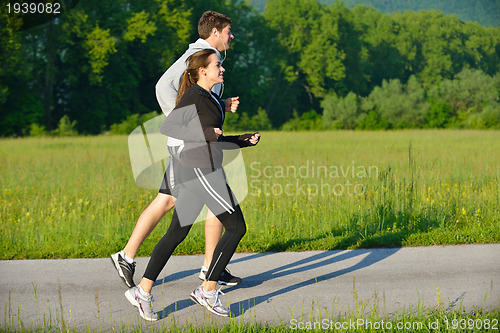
[(308, 121), (340, 113), (260, 121), (66, 127), (488, 118), (131, 123), (236, 122), (438, 115), (372, 121), (37, 130), (401, 105)]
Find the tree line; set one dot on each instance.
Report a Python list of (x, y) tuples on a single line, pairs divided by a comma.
[(485, 12), (298, 65)]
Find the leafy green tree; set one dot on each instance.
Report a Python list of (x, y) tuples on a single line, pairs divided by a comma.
[(438, 115), (98, 65), (401, 106), (468, 95), (321, 60), (486, 12), (19, 106), (482, 47), (252, 66), (100, 45), (123, 48), (385, 48), (294, 24), (340, 112)]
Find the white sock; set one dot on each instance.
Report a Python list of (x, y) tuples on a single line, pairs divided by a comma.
[(207, 293), (142, 292), (127, 259)]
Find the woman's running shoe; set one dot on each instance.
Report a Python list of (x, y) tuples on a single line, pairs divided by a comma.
[(210, 300), (142, 302)]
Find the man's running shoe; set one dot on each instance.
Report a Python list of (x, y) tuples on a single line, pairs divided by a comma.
[(210, 300), (225, 278), (125, 270), (143, 303)]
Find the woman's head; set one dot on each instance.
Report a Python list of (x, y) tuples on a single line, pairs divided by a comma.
[(202, 67)]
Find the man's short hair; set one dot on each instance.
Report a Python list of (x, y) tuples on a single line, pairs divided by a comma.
[(209, 20)]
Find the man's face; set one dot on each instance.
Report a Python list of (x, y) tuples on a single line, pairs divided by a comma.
[(225, 38)]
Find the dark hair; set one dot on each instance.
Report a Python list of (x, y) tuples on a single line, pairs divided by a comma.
[(191, 75), (209, 20)]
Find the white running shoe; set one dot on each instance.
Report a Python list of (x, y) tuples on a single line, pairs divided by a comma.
[(143, 303), (210, 300)]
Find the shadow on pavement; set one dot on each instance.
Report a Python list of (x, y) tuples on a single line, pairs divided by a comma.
[(183, 274), (325, 258)]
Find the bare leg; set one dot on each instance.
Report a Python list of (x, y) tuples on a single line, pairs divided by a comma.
[(148, 221), (213, 232)]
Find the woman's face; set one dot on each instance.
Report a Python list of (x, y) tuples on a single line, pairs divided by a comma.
[(214, 72)]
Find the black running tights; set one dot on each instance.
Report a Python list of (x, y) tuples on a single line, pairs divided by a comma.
[(198, 189)]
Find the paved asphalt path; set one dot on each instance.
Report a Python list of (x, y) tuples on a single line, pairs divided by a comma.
[(276, 288)]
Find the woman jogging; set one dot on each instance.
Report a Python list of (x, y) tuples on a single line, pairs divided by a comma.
[(197, 120), (215, 33)]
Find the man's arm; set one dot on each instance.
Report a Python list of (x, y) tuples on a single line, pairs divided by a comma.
[(168, 85), (166, 92)]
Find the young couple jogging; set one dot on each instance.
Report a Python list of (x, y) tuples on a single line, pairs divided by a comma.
[(188, 93)]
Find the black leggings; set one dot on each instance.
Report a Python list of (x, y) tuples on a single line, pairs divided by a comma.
[(201, 187)]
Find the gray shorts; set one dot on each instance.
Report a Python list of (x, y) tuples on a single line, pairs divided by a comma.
[(171, 181)]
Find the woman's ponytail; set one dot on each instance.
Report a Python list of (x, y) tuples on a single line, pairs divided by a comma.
[(184, 85), (191, 74)]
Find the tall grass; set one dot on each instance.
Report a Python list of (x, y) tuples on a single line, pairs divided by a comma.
[(360, 315), (76, 197)]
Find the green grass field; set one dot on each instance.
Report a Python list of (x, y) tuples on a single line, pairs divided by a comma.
[(76, 197)]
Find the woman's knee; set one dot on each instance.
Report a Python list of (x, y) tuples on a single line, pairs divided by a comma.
[(242, 230), (235, 224)]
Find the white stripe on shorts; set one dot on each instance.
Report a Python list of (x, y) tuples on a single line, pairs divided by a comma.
[(172, 177), (212, 192)]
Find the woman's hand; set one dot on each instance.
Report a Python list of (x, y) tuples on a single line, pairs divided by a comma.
[(218, 132), (255, 138)]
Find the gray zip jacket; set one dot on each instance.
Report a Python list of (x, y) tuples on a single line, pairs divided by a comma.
[(168, 85)]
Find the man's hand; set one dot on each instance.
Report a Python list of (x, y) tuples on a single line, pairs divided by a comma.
[(231, 104)]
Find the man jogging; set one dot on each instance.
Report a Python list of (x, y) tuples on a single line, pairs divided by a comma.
[(215, 33)]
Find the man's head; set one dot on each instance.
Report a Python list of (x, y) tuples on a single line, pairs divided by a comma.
[(215, 28)]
